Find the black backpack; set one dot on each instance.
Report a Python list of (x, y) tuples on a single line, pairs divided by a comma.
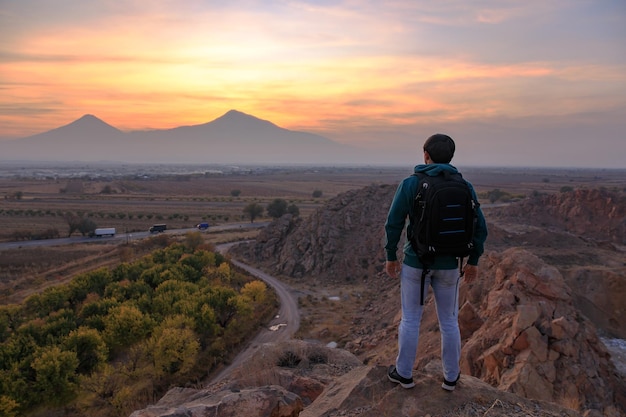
[(442, 219)]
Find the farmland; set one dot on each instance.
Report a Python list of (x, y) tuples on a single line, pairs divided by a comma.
[(39, 200)]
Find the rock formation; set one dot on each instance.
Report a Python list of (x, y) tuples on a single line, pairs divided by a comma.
[(528, 338), (529, 346), (597, 214), (341, 242), (305, 379)]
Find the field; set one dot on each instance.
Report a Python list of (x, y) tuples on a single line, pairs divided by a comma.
[(35, 201), (132, 203)]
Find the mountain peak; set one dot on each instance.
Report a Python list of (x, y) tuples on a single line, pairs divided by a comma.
[(89, 121), (88, 117), (237, 117), (233, 112)]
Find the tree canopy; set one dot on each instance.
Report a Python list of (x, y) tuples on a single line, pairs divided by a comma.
[(109, 335), (253, 210)]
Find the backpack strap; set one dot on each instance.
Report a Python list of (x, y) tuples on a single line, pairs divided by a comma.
[(425, 272)]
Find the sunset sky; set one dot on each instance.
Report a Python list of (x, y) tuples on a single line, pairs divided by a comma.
[(515, 82)]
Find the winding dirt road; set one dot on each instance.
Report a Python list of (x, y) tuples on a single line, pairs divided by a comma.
[(281, 328)]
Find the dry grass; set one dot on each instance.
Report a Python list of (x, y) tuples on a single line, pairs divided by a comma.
[(135, 204), (181, 202), (25, 270)]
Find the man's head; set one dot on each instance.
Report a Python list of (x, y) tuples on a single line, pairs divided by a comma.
[(439, 148)]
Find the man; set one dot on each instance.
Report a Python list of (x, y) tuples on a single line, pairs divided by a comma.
[(443, 274)]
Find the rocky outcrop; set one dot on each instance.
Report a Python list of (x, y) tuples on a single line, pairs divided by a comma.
[(522, 332), (580, 232), (310, 380), (340, 242), (597, 214), (266, 401), (526, 336)]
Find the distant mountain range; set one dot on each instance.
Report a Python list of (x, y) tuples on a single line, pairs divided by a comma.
[(234, 138)]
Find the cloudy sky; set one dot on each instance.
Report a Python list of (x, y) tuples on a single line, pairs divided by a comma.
[(515, 82)]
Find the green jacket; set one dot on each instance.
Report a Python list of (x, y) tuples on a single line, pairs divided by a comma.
[(398, 216)]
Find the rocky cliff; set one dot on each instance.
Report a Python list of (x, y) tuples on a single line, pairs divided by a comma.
[(528, 347), (597, 214), (578, 232), (341, 242), (302, 379)]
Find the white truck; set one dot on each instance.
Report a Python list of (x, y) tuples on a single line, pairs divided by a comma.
[(104, 231)]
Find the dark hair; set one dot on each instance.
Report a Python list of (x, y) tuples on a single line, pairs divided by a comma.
[(440, 147)]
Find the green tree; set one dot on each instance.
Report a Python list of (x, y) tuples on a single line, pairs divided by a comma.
[(59, 323), (205, 321), (496, 194), (222, 301), (8, 406), (86, 226), (293, 210), (47, 302), (95, 310), (173, 297), (73, 223), (55, 374), (90, 349), (277, 208), (255, 291), (125, 325), (11, 317), (175, 350), (317, 193), (91, 282), (253, 210), (80, 224), (235, 193)]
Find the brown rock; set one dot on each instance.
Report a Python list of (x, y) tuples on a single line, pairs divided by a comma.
[(469, 320), (268, 401), (521, 329)]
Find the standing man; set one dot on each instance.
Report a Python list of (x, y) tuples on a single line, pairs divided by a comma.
[(443, 273)]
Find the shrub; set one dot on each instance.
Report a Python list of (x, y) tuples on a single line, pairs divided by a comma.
[(289, 359)]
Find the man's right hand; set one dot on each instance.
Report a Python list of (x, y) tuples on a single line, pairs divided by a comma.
[(393, 268)]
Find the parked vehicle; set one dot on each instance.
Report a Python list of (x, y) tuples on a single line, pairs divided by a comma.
[(104, 231), (202, 226), (158, 228)]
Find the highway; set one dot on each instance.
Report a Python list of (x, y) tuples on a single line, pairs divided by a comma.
[(123, 237)]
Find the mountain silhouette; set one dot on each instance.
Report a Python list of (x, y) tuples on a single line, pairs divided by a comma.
[(234, 137)]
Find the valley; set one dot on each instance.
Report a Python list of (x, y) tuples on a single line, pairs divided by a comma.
[(354, 308)]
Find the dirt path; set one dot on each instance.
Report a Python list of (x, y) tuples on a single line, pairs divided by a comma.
[(281, 328)]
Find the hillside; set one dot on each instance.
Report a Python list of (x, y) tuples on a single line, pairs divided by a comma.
[(524, 280)]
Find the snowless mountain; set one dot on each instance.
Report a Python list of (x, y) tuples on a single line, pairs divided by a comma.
[(235, 137)]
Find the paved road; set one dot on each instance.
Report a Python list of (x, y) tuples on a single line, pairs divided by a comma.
[(122, 237)]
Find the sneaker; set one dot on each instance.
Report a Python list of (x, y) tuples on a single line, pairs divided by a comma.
[(394, 376), (449, 385)]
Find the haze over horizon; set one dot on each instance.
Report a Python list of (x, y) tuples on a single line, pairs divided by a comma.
[(514, 83)]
